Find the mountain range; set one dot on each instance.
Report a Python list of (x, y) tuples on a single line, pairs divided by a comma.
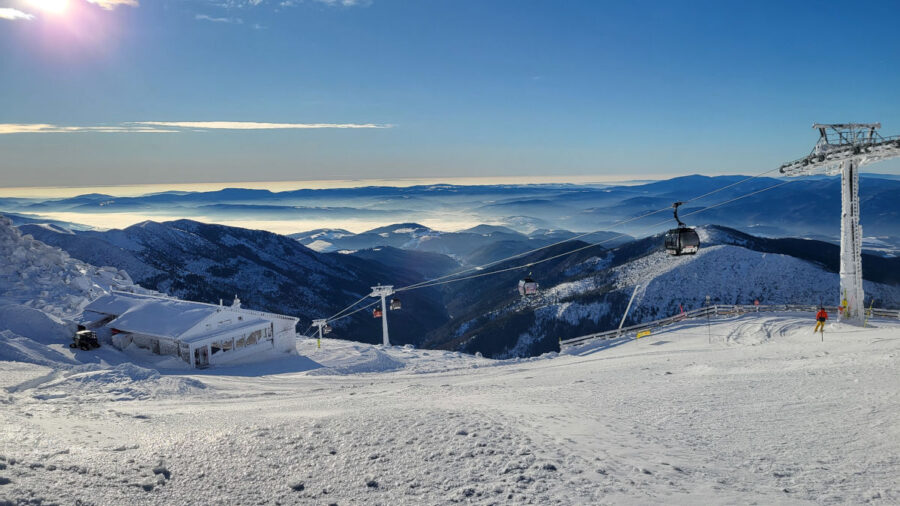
[(584, 288), (270, 272), (804, 207), (476, 245)]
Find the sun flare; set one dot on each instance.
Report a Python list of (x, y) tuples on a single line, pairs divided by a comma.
[(54, 6)]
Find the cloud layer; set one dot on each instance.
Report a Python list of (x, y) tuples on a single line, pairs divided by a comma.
[(14, 14), (112, 4), (46, 128), (204, 17), (172, 127), (253, 125)]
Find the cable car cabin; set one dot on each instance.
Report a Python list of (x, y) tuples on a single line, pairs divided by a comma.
[(326, 329), (395, 304), (376, 313), (682, 241), (528, 287)]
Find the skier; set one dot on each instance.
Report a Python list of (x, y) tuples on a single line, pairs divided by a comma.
[(821, 316)]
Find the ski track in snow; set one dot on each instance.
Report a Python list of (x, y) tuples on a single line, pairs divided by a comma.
[(751, 409)]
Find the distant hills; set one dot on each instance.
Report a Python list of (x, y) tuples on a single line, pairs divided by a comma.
[(477, 245), (805, 207)]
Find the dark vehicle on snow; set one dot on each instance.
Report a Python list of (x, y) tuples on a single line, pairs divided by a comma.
[(85, 340)]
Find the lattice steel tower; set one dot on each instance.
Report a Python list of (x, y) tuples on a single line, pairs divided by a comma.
[(843, 148)]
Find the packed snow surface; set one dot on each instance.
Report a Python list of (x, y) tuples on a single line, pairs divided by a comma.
[(752, 409)]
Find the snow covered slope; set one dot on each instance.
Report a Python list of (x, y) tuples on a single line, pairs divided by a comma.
[(270, 272), (39, 276), (766, 413), (592, 293), (41, 288)]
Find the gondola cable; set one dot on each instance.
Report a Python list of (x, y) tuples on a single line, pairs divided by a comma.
[(619, 223), (517, 267), (443, 279)]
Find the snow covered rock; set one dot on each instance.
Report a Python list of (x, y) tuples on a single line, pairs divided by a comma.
[(42, 277)]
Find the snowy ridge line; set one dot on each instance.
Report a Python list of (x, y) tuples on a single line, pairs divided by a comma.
[(716, 310)]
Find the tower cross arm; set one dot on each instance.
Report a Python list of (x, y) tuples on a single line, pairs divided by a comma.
[(818, 126), (829, 158)]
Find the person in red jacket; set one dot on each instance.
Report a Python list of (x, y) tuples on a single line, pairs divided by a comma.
[(821, 317)]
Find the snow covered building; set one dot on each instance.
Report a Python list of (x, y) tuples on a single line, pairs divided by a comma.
[(201, 334)]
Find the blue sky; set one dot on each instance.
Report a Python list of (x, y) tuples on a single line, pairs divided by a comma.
[(122, 91)]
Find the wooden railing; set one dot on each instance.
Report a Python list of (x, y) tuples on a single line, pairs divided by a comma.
[(716, 310)]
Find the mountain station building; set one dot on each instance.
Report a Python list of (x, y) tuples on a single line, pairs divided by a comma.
[(201, 334)]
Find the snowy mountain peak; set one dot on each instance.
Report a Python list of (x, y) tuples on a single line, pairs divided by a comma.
[(401, 228)]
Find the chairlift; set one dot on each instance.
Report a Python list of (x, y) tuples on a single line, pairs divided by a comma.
[(376, 313), (395, 304), (682, 240), (527, 287)]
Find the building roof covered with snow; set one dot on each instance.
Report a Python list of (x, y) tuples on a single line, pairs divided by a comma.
[(156, 316)]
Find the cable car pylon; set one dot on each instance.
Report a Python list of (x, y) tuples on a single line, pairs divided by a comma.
[(842, 149), (323, 328), (383, 291)]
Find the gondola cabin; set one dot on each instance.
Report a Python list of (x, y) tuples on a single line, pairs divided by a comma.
[(527, 287), (376, 313), (326, 329), (682, 241), (395, 304)]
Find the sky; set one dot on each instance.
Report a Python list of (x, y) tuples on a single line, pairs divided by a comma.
[(113, 92)]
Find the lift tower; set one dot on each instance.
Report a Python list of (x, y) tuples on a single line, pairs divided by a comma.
[(383, 291), (843, 148)]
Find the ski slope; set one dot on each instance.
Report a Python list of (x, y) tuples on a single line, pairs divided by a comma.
[(750, 409)]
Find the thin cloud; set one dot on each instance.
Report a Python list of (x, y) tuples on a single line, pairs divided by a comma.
[(235, 4), (331, 3), (346, 3), (112, 4), (47, 128), (204, 17), (171, 127), (14, 14), (253, 125)]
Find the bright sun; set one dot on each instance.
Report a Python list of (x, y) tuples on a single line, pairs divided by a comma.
[(55, 6)]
